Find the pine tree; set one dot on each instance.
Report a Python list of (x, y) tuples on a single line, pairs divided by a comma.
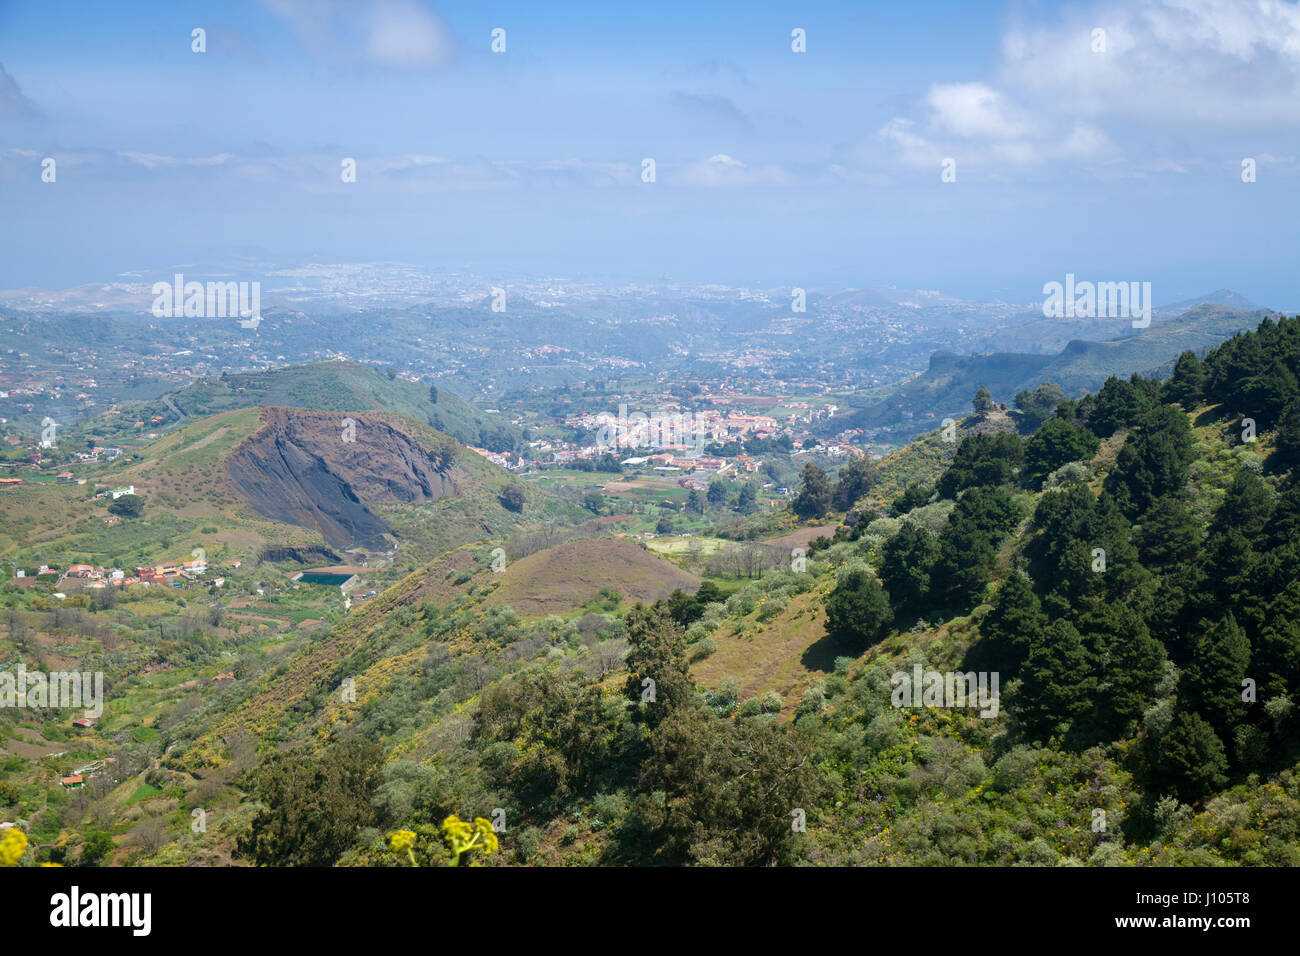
[(1124, 578), (982, 461), (1129, 670), (1276, 659), (1119, 404), (1006, 631), (1233, 578), (912, 496), (1287, 442), (1265, 395), (1187, 384), (906, 560), (1212, 684), (814, 498), (854, 480), (1058, 687), (748, 499), (1038, 406), (1055, 444), (1247, 507), (1170, 534), (1061, 556), (857, 611), (1189, 759), (968, 544), (658, 655), (1153, 461), (717, 494)]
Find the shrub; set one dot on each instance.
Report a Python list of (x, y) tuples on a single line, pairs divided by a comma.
[(528, 843), (609, 807), (884, 731), (696, 633), (1015, 769), (742, 602), (773, 606), (814, 699), (703, 649)]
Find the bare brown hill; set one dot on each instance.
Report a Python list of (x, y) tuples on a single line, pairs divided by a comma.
[(565, 577), (319, 470)]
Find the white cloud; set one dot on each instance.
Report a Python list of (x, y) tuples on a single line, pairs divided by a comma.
[(156, 160), (1206, 64), (724, 170), (1174, 68), (1087, 142), (974, 110), (913, 148), (1164, 166), (401, 33), (982, 131)]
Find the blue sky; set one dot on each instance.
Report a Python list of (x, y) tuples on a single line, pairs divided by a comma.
[(774, 168)]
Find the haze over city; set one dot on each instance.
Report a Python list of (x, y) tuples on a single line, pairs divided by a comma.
[(774, 168)]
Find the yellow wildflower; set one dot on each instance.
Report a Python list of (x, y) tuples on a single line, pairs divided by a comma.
[(403, 840), (458, 834), (484, 828), (463, 837), (12, 847)]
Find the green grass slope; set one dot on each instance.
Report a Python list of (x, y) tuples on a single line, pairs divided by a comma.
[(342, 387)]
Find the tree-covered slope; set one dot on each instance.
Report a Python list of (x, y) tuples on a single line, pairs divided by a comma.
[(945, 387)]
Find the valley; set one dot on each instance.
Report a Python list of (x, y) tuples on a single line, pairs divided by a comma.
[(359, 576)]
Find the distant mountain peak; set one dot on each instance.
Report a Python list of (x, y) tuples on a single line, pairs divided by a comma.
[(1224, 297)]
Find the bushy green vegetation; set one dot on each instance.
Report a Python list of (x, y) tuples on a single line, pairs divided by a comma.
[(1128, 567)]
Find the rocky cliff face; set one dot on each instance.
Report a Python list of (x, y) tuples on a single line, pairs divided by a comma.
[(320, 470)]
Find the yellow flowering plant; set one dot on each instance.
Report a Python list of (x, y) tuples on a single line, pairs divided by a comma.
[(460, 837), (12, 847), (403, 841), (464, 838)]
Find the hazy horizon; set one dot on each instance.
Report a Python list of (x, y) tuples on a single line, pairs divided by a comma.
[(773, 168)]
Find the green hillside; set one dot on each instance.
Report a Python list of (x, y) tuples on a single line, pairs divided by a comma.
[(1117, 592), (945, 388), (341, 387), (192, 500)]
